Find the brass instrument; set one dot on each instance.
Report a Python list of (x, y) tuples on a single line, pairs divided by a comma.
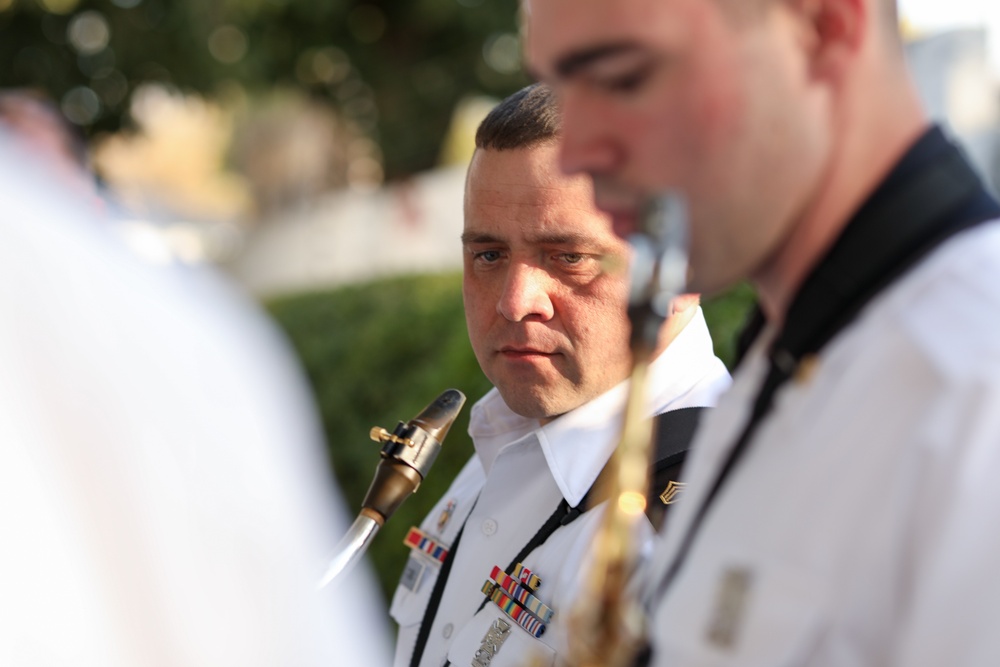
[(608, 625), (406, 457)]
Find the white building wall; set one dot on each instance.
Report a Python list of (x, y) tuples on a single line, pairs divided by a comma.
[(405, 228)]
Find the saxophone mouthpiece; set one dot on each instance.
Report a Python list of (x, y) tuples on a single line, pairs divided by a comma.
[(408, 453), (438, 417)]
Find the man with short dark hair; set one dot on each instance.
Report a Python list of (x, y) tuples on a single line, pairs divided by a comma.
[(496, 564), (843, 493)]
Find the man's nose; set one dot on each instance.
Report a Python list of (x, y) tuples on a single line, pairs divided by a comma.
[(526, 294)]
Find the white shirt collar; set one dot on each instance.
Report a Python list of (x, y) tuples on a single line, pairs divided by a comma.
[(578, 444)]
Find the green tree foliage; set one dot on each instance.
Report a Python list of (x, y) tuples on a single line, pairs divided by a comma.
[(396, 69), (376, 354)]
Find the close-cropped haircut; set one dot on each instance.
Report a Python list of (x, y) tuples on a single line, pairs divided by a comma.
[(528, 117)]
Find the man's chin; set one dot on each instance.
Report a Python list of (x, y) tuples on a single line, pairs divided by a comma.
[(533, 403)]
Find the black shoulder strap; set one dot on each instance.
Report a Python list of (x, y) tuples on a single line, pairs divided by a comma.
[(674, 431)]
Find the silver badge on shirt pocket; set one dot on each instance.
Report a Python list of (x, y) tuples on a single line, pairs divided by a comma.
[(494, 639), (730, 607)]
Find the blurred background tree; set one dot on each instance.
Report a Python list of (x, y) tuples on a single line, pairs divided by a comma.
[(386, 68)]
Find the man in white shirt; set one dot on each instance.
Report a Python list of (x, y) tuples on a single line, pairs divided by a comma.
[(545, 294), (842, 496), (164, 495)]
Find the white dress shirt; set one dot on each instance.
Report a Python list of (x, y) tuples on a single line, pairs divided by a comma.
[(518, 476), (860, 527)]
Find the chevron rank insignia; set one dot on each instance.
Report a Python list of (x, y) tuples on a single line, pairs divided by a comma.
[(674, 489)]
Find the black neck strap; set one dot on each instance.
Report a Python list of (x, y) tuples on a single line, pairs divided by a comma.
[(931, 195)]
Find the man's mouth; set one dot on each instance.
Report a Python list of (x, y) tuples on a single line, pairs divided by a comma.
[(524, 353)]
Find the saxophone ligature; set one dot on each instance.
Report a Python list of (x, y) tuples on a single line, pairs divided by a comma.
[(406, 456), (608, 625)]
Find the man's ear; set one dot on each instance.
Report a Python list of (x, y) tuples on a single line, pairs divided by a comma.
[(834, 32)]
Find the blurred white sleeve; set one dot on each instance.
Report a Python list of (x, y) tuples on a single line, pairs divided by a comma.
[(164, 496)]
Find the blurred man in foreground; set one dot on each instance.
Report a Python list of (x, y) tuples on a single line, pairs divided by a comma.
[(163, 496), (545, 292), (840, 493)]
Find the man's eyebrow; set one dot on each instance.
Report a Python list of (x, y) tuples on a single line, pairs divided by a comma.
[(479, 237), (569, 65), (561, 239), (470, 238)]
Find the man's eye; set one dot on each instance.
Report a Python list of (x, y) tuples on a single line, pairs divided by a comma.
[(577, 262), (625, 80), (488, 256), (628, 83)]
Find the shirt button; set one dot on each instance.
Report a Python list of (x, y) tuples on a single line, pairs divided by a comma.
[(446, 630), (489, 527)]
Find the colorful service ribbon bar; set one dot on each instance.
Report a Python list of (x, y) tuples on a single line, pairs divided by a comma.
[(526, 577), (516, 591), (416, 539), (514, 611)]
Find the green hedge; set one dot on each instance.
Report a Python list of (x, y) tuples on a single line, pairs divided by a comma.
[(377, 353)]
